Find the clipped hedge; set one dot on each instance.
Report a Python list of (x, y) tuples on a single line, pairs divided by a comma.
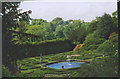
[(30, 49), (36, 73)]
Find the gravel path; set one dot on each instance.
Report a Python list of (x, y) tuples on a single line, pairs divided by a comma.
[(56, 75), (73, 55)]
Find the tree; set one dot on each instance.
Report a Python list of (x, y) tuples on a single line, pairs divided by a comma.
[(44, 31), (72, 26), (115, 19), (115, 14), (57, 19), (92, 26), (56, 22), (76, 24), (47, 31), (111, 45), (10, 18), (105, 26), (77, 35), (92, 41), (38, 21), (59, 32), (68, 22), (76, 31), (66, 30)]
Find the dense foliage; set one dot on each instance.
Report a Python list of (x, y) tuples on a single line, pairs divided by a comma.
[(76, 30), (5, 72), (11, 18), (106, 67), (27, 49), (110, 45), (92, 42), (44, 31), (57, 36), (105, 26)]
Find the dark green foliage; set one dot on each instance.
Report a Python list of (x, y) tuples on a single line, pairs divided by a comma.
[(56, 22), (115, 14), (106, 67), (27, 49), (113, 37), (92, 26), (57, 19), (59, 32), (77, 35), (115, 19), (105, 26), (9, 11), (76, 31), (10, 18), (38, 21), (5, 72), (110, 45), (44, 31), (92, 42)]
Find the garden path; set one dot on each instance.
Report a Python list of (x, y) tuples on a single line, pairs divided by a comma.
[(56, 75), (73, 55)]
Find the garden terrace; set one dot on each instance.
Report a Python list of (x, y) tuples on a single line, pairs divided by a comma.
[(32, 64)]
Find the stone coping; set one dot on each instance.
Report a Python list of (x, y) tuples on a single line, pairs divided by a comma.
[(73, 55)]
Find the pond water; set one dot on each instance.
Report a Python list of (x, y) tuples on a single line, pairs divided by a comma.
[(65, 64)]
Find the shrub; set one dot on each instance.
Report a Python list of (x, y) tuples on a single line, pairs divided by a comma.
[(107, 67), (91, 42), (5, 71), (110, 45), (113, 37), (78, 47)]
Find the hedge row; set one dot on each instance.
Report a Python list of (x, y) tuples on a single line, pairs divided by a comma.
[(30, 49)]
